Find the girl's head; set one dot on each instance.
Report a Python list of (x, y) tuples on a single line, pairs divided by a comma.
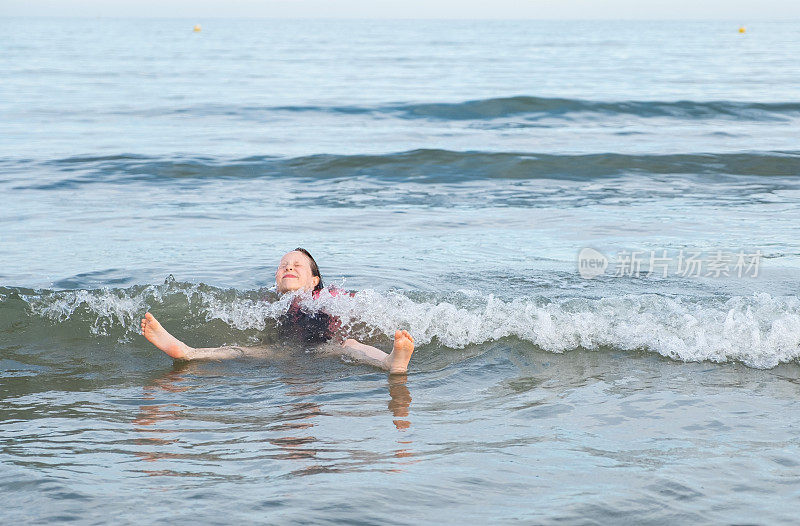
[(298, 270)]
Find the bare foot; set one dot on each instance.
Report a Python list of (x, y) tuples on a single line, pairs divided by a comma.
[(401, 352), (158, 336)]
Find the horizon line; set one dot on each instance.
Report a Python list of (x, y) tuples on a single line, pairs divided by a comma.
[(793, 18)]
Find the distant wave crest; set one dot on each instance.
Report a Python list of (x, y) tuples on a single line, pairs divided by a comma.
[(495, 108), (521, 106), (416, 166)]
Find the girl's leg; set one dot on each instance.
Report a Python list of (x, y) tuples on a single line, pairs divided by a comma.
[(395, 362), (158, 336)]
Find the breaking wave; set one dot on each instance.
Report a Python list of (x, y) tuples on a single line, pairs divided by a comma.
[(760, 331)]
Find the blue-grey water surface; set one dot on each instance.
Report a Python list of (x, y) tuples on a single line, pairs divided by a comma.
[(450, 172)]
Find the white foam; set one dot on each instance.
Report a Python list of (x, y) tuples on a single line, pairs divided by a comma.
[(108, 307), (244, 313), (760, 330)]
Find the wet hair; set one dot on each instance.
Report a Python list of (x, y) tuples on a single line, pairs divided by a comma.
[(314, 267)]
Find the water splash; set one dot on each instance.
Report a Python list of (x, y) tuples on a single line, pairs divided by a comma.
[(760, 330)]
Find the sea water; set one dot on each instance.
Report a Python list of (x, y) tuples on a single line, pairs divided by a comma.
[(451, 173)]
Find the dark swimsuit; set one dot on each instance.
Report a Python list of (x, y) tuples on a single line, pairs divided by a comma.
[(311, 328)]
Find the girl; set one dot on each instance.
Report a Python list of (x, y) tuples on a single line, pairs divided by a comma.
[(297, 271)]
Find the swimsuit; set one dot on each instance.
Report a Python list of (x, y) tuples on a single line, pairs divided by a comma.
[(311, 327)]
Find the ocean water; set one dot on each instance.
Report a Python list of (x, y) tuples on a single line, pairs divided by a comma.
[(451, 173)]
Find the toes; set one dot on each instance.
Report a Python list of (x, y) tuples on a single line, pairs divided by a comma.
[(402, 334), (149, 317)]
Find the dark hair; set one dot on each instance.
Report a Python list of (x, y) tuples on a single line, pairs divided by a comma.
[(314, 267)]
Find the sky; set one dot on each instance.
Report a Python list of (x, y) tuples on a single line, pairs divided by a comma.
[(739, 10)]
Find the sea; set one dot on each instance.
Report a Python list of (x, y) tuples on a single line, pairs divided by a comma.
[(590, 228)]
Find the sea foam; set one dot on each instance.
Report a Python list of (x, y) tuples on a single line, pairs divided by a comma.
[(759, 330)]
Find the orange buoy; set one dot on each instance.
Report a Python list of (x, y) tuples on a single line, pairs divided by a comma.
[(197, 28), (742, 29)]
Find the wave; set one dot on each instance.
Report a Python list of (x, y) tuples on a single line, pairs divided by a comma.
[(496, 108), (531, 108), (760, 331), (417, 166)]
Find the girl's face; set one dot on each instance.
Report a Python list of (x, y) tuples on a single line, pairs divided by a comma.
[(294, 273)]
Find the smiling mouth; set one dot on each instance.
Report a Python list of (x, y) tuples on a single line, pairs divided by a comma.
[(289, 276)]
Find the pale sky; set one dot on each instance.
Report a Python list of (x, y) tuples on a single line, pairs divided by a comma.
[(738, 10)]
